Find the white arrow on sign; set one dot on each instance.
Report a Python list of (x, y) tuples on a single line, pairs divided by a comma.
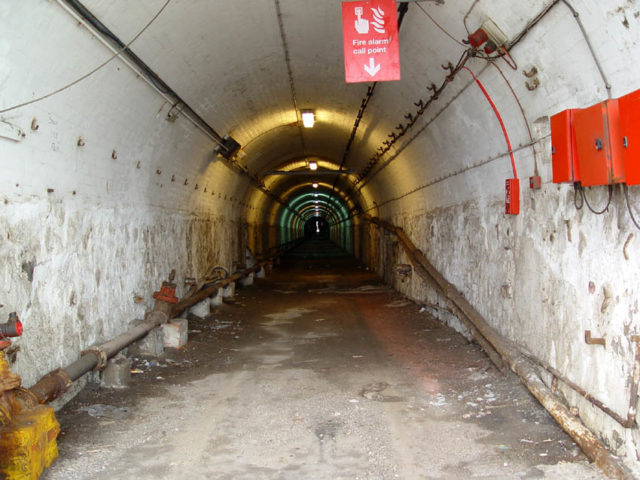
[(372, 68)]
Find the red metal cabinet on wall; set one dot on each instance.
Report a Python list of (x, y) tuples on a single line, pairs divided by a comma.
[(563, 148), (599, 144), (630, 131)]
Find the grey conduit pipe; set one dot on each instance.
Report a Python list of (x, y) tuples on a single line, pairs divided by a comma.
[(55, 383)]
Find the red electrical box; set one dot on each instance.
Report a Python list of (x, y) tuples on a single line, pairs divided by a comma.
[(512, 196), (563, 148), (599, 144), (630, 132)]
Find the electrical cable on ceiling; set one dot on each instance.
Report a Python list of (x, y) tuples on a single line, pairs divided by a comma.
[(415, 136), (287, 59), (87, 75), (78, 11), (384, 149), (466, 17), (625, 188), (576, 15), (450, 175), (354, 130), (511, 62), (403, 8), (503, 53), (442, 178), (440, 26), (504, 50), (524, 117), (499, 117), (87, 16), (412, 118), (532, 23)]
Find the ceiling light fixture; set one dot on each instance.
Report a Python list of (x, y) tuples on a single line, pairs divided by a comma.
[(313, 165), (315, 185), (308, 118)]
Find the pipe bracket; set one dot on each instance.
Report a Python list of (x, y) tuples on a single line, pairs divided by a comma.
[(100, 354), (589, 340), (51, 386)]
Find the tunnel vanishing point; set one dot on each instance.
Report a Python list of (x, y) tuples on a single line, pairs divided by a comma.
[(185, 147)]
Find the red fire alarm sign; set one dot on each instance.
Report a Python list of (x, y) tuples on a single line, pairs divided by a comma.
[(512, 196), (371, 47)]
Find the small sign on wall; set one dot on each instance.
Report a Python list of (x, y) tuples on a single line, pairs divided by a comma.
[(371, 46)]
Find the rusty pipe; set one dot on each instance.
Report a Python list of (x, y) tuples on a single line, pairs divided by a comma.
[(207, 292), (211, 289), (57, 382), (628, 422), (429, 274), (518, 363), (52, 385)]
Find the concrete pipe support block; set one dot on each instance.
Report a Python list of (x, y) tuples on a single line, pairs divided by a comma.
[(217, 299), (117, 373), (202, 309), (152, 345), (229, 290), (176, 333)]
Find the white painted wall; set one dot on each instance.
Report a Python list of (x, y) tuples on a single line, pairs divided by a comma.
[(100, 230), (97, 232), (530, 275)]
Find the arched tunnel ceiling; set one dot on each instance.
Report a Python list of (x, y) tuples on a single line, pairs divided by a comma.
[(110, 187), (229, 63), (248, 67), (227, 60)]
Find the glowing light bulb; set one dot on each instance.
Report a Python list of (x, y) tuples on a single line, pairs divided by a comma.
[(308, 118)]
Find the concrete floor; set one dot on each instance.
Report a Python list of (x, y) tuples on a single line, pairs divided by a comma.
[(317, 372)]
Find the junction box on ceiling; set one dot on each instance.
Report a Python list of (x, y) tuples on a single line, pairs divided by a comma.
[(489, 35), (228, 149), (598, 145)]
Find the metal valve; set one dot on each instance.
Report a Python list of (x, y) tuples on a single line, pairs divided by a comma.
[(13, 328)]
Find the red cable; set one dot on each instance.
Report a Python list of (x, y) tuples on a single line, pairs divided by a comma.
[(495, 110)]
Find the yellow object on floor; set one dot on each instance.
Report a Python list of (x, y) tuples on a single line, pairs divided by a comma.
[(28, 444)]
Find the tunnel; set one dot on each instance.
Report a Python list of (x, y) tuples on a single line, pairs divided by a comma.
[(428, 271)]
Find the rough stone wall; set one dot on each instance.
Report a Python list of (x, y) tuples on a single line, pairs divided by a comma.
[(103, 195), (262, 237), (545, 276), (541, 279), (370, 253), (77, 275)]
